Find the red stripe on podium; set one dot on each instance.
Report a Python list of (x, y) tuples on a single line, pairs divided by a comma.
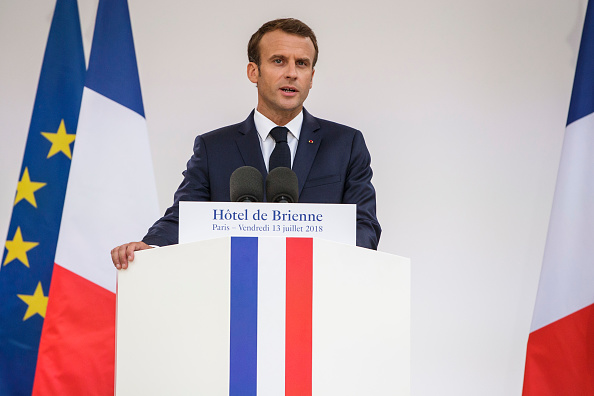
[(298, 334), (560, 357), (77, 346)]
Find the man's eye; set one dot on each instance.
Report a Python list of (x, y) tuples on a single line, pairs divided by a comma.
[(278, 61)]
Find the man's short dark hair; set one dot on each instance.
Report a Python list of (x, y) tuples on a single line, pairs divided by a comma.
[(287, 25)]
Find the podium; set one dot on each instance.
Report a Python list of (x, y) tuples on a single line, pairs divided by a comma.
[(263, 316)]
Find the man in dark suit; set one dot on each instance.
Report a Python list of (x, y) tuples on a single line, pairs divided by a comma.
[(331, 160)]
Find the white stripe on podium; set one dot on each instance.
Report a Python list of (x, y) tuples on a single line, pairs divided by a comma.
[(271, 312)]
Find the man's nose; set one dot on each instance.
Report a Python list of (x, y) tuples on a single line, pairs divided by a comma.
[(291, 71)]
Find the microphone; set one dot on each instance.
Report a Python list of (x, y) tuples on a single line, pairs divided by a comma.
[(245, 185), (282, 186)]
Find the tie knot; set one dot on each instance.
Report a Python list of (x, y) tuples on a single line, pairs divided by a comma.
[(279, 134)]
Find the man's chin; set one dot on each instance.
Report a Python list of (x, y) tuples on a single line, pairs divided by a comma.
[(290, 104)]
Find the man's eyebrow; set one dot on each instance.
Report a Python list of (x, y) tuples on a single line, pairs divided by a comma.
[(304, 59)]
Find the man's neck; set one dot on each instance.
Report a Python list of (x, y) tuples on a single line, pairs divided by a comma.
[(280, 119)]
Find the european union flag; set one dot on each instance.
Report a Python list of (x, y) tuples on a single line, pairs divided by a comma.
[(28, 260)]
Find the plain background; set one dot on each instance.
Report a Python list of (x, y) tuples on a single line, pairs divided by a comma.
[(463, 105)]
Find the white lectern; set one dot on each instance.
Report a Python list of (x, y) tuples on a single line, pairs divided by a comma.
[(263, 316)]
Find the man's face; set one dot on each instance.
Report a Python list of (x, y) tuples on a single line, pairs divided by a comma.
[(285, 75)]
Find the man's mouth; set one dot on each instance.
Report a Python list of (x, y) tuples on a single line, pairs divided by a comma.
[(288, 90)]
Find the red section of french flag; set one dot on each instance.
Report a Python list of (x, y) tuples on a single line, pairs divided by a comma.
[(298, 349), (77, 346), (560, 357)]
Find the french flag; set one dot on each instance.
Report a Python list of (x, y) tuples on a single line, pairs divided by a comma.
[(560, 353), (263, 316), (110, 199)]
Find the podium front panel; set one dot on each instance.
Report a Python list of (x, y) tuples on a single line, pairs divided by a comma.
[(263, 316)]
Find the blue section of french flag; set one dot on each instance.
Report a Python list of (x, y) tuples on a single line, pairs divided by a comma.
[(113, 72), (582, 94)]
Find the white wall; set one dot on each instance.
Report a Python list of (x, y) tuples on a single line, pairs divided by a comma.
[(463, 105)]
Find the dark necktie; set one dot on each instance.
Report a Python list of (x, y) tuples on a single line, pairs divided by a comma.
[(281, 155)]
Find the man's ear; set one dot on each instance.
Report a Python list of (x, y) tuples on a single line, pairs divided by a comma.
[(312, 74), (253, 72)]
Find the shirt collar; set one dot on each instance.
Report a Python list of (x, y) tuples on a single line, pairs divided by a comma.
[(264, 125)]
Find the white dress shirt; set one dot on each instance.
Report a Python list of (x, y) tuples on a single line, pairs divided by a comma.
[(267, 143)]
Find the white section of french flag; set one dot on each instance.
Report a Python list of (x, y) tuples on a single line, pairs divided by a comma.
[(111, 196), (566, 280)]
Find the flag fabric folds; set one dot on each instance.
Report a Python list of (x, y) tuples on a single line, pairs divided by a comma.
[(111, 199), (560, 352), (28, 259)]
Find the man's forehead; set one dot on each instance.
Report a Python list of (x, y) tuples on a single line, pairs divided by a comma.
[(278, 40)]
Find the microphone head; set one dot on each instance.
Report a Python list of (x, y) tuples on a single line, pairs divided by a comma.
[(282, 186), (246, 185)]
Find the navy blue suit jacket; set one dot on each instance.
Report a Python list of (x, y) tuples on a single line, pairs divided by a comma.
[(332, 164)]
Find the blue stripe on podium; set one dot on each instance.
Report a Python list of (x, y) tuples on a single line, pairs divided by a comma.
[(244, 317)]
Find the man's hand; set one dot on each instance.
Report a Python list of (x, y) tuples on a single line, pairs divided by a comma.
[(123, 254)]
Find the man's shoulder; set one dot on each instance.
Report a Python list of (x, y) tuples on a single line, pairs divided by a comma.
[(226, 131), (331, 127), (335, 125)]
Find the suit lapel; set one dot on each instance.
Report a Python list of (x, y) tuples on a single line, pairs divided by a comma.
[(248, 143), (309, 142)]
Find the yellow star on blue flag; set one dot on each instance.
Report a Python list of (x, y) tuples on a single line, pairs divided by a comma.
[(26, 189), (37, 302), (60, 141), (18, 248)]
